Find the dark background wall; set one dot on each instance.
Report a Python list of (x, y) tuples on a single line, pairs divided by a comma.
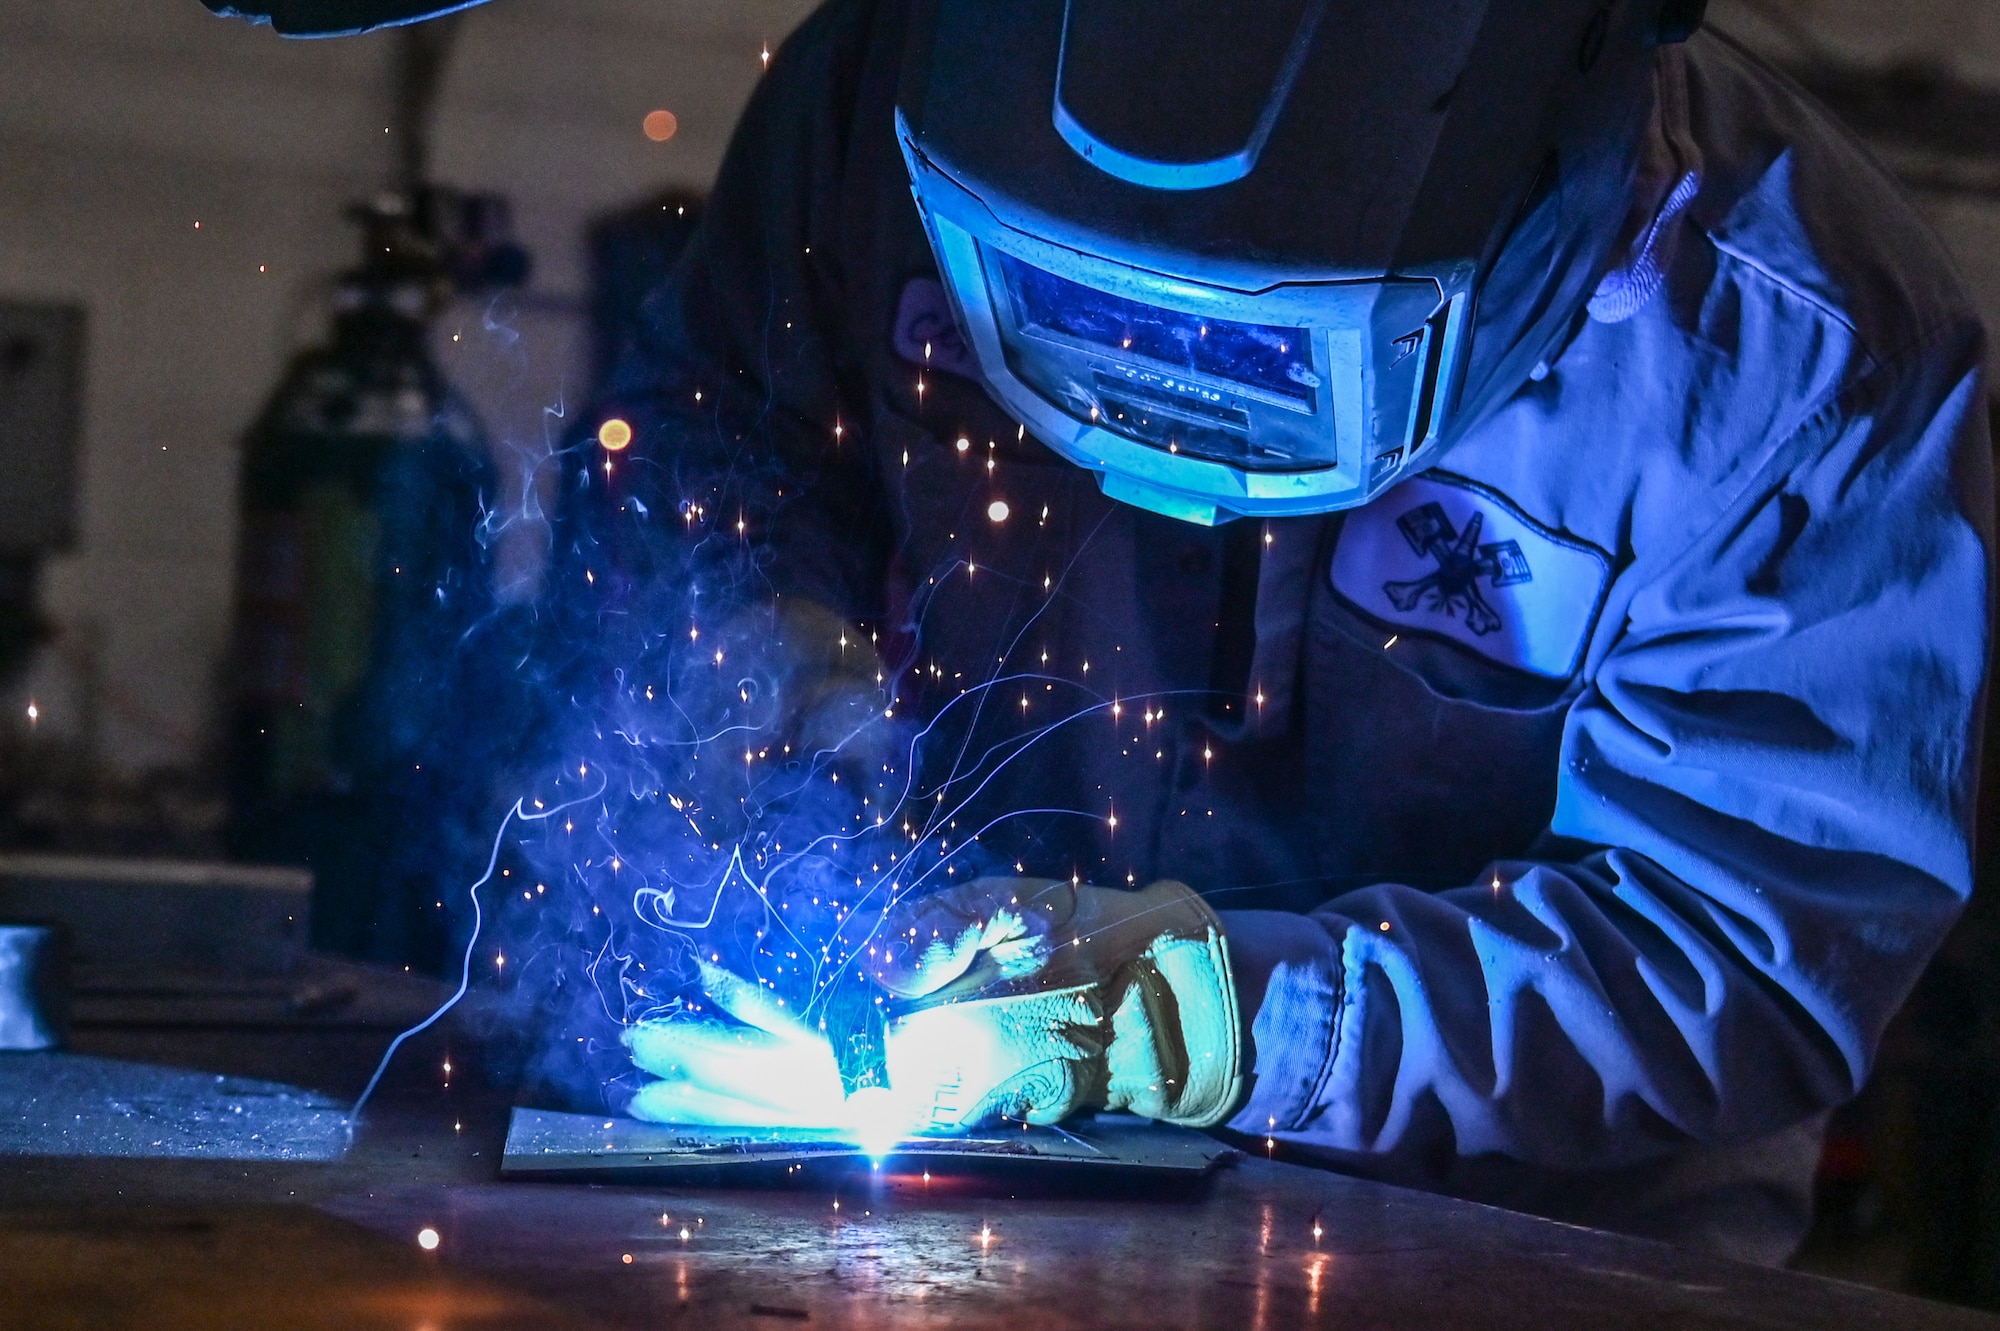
[(124, 125)]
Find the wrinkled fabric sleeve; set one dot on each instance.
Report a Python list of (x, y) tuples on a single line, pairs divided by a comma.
[(1762, 831), (742, 402)]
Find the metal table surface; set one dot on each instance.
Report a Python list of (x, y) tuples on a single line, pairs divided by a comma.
[(229, 1231)]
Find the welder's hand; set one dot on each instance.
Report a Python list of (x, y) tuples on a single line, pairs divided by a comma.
[(1153, 960), (1031, 1055)]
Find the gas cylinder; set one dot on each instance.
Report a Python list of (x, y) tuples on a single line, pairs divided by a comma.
[(363, 584)]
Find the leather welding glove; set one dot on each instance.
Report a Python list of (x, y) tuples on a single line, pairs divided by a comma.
[(1154, 961), (1032, 1055)]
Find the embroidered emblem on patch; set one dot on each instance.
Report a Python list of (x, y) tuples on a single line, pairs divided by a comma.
[(1442, 556), (926, 334)]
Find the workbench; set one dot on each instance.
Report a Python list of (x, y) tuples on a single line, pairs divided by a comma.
[(171, 1177)]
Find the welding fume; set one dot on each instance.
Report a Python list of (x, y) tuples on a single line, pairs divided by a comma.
[(1405, 581)]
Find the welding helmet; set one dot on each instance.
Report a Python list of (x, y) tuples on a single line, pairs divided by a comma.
[(335, 18), (1265, 258)]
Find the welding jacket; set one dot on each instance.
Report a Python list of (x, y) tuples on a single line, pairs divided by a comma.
[(1583, 808)]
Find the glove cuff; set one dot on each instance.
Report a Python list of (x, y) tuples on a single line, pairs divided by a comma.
[(1177, 1047)]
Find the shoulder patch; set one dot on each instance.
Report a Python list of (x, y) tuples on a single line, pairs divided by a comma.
[(1442, 556)]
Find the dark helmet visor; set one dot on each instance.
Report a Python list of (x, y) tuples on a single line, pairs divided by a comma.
[(1266, 259), (335, 18)]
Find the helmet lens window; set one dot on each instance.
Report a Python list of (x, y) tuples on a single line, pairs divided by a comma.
[(1259, 356), (1303, 389)]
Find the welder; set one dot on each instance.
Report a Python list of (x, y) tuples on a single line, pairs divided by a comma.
[(1533, 468)]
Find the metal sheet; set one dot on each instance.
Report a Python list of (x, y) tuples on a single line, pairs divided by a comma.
[(1260, 1244), (1263, 1245), (543, 1143), (75, 1105), (235, 1268)]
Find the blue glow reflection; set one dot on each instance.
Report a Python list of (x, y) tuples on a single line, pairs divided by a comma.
[(1273, 359)]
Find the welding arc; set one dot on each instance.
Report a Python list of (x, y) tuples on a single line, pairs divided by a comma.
[(465, 964)]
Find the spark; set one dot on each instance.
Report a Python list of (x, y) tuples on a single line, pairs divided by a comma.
[(427, 1239)]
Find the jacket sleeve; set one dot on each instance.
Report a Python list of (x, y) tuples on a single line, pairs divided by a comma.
[(1762, 831), (744, 414)]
